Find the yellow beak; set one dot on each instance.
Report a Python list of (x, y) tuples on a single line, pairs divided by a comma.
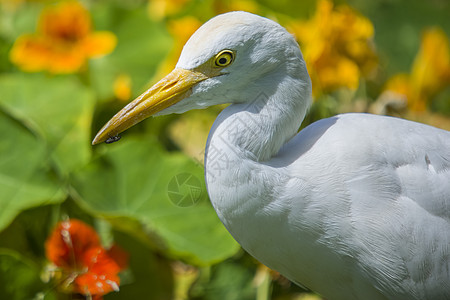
[(168, 91)]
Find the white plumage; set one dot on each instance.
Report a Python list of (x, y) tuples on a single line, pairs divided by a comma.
[(354, 207)]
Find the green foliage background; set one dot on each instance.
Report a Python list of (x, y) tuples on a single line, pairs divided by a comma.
[(49, 170)]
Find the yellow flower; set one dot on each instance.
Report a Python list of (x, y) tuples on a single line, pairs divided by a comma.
[(221, 6), (337, 46), (63, 42), (159, 9), (430, 72), (122, 87)]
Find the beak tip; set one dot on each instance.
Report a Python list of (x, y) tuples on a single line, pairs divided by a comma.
[(102, 137), (95, 142), (168, 91), (98, 139)]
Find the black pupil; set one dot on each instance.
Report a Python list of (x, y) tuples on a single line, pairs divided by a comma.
[(223, 60)]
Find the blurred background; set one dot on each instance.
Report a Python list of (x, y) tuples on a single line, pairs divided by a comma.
[(132, 220)]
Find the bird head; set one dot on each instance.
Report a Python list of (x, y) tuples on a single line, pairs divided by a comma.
[(227, 60)]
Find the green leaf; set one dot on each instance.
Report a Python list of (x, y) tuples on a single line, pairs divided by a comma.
[(27, 233), (136, 178), (228, 280), (19, 278), (58, 109), (24, 179)]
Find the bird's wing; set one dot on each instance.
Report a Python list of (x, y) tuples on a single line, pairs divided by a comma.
[(380, 195), (415, 155)]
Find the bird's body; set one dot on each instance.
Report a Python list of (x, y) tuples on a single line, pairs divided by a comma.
[(327, 217), (354, 207)]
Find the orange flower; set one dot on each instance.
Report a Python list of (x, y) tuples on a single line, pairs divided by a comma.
[(69, 241), (337, 46), (63, 42), (430, 72), (101, 275), (74, 248)]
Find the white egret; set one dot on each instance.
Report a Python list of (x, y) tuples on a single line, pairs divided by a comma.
[(356, 206)]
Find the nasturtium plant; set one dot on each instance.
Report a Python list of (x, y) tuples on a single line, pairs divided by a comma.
[(135, 178)]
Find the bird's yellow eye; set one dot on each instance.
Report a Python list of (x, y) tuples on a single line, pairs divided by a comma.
[(224, 58)]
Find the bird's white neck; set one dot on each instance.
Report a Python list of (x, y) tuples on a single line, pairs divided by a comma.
[(245, 136), (258, 128)]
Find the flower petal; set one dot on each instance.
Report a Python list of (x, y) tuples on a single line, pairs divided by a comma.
[(122, 87), (67, 20), (101, 276), (431, 67), (99, 43), (30, 53), (64, 41), (66, 58), (337, 46), (68, 243)]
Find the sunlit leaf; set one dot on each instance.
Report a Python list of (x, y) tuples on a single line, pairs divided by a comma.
[(58, 109), (24, 178), (166, 192)]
